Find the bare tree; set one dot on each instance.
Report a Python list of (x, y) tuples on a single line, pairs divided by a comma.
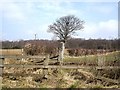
[(64, 27)]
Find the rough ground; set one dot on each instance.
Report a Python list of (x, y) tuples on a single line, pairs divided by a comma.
[(56, 78)]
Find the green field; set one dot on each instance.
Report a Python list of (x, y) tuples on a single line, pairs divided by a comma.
[(107, 59)]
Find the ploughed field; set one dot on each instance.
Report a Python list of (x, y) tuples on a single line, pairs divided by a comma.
[(21, 77)]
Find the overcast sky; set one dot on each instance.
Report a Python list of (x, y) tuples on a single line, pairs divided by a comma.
[(23, 19)]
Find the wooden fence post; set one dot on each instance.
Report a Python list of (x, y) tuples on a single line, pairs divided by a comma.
[(46, 61), (22, 53), (1, 63), (60, 61), (101, 61), (45, 69)]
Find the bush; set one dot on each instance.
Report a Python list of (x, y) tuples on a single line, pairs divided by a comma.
[(40, 50)]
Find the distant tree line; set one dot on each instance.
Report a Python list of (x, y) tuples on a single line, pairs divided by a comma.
[(74, 46), (94, 44)]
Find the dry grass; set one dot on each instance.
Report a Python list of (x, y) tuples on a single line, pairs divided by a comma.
[(57, 78), (0, 82), (10, 51)]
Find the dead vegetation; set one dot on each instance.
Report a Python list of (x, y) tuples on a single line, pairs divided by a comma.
[(56, 78), (59, 78), (10, 51)]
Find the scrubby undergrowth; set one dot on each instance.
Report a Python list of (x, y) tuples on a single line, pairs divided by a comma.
[(65, 78)]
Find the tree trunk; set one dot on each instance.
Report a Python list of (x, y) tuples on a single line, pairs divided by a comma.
[(61, 53)]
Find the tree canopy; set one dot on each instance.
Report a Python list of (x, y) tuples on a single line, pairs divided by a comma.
[(66, 26)]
